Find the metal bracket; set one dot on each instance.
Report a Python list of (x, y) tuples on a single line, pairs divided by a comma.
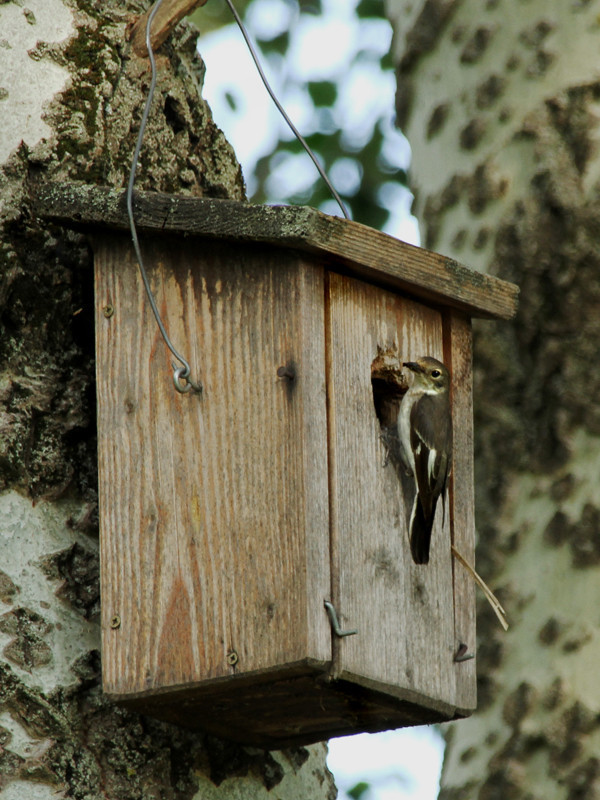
[(462, 654), (334, 621)]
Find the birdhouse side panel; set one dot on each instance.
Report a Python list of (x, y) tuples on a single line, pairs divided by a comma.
[(403, 612), (214, 507), (458, 354)]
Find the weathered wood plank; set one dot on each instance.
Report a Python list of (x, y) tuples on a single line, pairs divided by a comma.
[(458, 355), (402, 611), (214, 507), (348, 246)]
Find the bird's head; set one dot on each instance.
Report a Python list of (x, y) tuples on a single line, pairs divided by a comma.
[(430, 375)]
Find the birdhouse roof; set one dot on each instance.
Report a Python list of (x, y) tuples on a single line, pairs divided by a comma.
[(343, 245)]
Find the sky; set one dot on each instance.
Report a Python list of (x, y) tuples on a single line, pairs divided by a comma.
[(405, 764), (399, 765)]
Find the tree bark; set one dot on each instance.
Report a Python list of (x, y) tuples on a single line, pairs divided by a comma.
[(71, 97), (500, 103)]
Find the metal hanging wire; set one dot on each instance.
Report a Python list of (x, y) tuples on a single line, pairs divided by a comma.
[(181, 375), (281, 110)]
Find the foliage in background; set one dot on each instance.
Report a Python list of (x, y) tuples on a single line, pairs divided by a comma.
[(351, 132), (215, 14), (359, 790)]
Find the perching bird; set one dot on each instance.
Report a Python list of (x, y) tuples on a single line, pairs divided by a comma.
[(425, 429)]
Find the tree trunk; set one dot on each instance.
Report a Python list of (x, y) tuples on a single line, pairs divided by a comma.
[(71, 96), (500, 103)]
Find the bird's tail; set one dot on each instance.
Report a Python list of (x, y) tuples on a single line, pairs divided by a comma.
[(420, 532)]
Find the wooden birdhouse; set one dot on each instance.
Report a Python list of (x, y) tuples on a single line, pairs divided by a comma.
[(229, 518)]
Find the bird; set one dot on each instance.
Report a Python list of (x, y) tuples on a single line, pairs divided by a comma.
[(425, 432)]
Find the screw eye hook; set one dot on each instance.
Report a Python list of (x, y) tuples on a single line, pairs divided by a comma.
[(182, 374)]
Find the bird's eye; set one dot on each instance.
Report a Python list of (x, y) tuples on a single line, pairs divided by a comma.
[(435, 373)]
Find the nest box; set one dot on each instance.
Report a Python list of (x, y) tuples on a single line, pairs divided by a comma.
[(228, 518)]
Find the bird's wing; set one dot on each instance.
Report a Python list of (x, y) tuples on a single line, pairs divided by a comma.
[(431, 442)]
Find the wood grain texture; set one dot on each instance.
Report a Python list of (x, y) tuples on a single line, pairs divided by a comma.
[(348, 246), (403, 612), (214, 507), (458, 355), (170, 13)]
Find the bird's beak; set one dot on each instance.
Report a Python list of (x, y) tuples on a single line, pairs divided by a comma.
[(413, 366)]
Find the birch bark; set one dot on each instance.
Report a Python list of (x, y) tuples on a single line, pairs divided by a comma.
[(500, 102)]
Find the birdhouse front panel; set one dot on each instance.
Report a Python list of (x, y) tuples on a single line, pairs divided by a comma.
[(215, 517)]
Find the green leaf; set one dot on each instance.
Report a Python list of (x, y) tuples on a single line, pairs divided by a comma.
[(322, 93), (278, 44), (370, 8), (215, 15), (231, 101), (292, 146), (387, 62), (311, 7), (359, 790)]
